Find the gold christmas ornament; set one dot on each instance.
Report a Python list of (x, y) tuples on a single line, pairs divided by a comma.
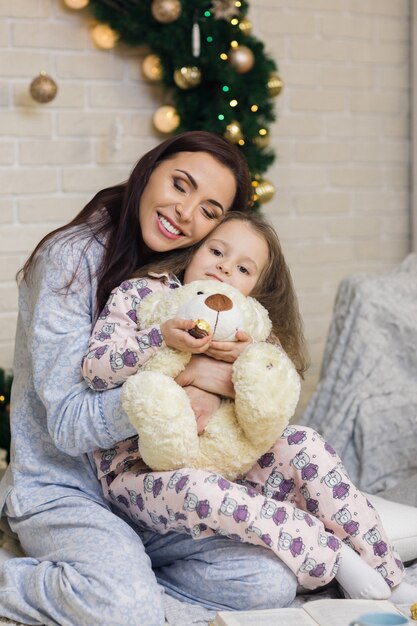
[(104, 37), (241, 58), (224, 9), (76, 4), (274, 85), (245, 26), (43, 88), (166, 119), (187, 77), (166, 11), (233, 132), (152, 68), (261, 141), (263, 191)]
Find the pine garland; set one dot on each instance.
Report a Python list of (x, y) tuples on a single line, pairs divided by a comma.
[(223, 27), (5, 387)]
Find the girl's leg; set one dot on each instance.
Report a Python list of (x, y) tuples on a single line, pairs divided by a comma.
[(305, 471), (87, 566), (206, 505)]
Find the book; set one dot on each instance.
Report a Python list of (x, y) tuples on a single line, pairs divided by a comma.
[(316, 612)]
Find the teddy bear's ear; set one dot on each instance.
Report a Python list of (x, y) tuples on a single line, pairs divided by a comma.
[(159, 306), (257, 322)]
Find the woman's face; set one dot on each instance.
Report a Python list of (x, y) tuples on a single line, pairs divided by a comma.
[(185, 198)]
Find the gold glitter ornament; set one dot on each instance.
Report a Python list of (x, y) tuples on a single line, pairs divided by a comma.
[(187, 77), (224, 9), (166, 11), (76, 4), (233, 132), (43, 88), (241, 58), (166, 119), (152, 68), (104, 37), (274, 85), (264, 191), (245, 25), (261, 141)]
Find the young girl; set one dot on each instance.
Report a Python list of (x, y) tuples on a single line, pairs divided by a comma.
[(297, 500)]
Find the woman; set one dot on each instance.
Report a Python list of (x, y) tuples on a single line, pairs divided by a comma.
[(86, 565)]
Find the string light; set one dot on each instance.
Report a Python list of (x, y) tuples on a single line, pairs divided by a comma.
[(241, 142), (254, 108), (225, 88), (262, 131), (233, 103), (207, 14), (234, 21), (2, 398), (220, 117), (238, 4), (209, 39), (234, 44), (224, 56)]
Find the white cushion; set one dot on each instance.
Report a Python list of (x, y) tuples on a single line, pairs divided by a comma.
[(400, 523)]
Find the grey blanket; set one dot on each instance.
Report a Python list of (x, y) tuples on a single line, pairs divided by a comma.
[(365, 404)]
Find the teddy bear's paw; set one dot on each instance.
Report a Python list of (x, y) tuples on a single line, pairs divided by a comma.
[(267, 388), (162, 415)]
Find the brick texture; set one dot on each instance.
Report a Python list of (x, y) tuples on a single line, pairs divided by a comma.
[(342, 138)]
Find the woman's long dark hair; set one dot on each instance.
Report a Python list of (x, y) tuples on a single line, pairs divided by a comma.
[(114, 211)]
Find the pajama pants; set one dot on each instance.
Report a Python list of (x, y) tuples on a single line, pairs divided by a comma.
[(297, 500), (89, 567)]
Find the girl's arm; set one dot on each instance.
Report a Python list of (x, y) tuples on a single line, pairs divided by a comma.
[(118, 346), (209, 375), (56, 326)]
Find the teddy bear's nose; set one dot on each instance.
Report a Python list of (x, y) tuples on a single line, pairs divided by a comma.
[(219, 302)]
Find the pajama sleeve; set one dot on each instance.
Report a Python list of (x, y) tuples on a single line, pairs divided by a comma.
[(118, 346), (55, 325)]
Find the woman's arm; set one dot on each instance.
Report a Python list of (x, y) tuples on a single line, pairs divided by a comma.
[(57, 325)]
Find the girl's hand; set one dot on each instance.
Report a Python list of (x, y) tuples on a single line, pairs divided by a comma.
[(175, 335), (204, 405), (207, 374), (229, 350)]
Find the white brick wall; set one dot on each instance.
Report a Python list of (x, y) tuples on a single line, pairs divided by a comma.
[(342, 138)]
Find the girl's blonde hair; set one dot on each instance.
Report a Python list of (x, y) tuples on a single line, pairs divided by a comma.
[(274, 289)]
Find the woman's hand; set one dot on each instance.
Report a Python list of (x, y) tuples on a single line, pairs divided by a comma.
[(204, 405), (229, 350), (207, 374), (175, 335)]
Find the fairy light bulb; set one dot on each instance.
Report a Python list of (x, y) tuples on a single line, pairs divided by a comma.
[(234, 44), (233, 103), (254, 108)]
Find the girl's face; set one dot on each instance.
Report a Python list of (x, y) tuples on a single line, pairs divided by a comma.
[(234, 254), (185, 198)]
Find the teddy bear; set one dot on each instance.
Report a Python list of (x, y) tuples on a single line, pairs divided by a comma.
[(266, 384)]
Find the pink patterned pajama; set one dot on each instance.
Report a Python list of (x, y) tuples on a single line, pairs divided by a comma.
[(297, 500)]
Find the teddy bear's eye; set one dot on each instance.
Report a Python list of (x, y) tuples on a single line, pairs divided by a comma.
[(200, 293)]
